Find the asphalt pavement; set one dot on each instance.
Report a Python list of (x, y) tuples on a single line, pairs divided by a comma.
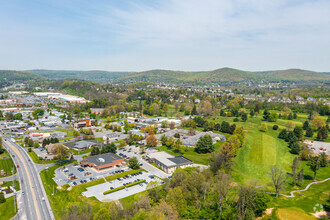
[(33, 204)]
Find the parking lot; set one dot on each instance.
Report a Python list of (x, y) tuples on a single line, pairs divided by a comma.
[(98, 190), (86, 174)]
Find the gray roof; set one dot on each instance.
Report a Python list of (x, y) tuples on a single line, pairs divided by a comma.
[(84, 144), (169, 160), (102, 159)]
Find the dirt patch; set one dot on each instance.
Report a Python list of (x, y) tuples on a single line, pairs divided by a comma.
[(267, 212), (321, 214)]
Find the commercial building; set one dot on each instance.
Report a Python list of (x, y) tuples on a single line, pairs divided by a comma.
[(97, 111), (167, 162), (83, 145), (81, 123), (103, 161)]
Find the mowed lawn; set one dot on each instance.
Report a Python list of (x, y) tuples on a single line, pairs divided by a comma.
[(261, 151), (7, 209), (7, 165)]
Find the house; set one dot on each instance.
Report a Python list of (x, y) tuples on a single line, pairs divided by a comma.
[(103, 161), (167, 162), (97, 111), (81, 123), (83, 145), (132, 120)]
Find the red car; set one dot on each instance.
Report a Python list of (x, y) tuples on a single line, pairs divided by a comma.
[(17, 166)]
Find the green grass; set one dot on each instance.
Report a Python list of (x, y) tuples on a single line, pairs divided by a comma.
[(4, 154), (68, 133), (10, 183), (123, 187), (76, 152), (191, 154), (288, 214), (7, 165), (307, 200), (35, 159), (7, 209)]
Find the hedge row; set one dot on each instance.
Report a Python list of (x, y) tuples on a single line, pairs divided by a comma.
[(123, 187)]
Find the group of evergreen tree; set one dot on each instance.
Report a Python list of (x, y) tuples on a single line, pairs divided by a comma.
[(47, 141), (108, 148)]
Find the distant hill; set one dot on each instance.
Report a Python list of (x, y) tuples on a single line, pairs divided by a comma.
[(224, 75), (92, 75), (9, 76)]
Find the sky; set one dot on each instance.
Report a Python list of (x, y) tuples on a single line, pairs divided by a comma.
[(188, 35)]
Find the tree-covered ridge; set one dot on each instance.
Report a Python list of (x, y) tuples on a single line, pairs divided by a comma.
[(92, 75), (225, 75)]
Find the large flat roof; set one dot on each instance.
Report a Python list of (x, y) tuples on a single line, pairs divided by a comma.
[(102, 159)]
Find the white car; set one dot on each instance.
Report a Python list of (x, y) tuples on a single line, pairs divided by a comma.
[(43, 198)]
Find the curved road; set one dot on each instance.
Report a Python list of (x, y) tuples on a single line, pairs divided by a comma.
[(33, 204)]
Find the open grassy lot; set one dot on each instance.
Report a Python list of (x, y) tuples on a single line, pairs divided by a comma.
[(62, 198), (76, 152), (191, 154), (5, 155), (7, 209), (35, 159), (8, 166), (68, 133), (10, 183)]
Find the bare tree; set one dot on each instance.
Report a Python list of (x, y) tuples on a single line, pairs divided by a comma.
[(246, 202), (222, 187), (278, 178), (295, 166)]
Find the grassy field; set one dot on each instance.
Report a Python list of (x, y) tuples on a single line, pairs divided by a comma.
[(7, 209), (76, 152), (62, 198), (264, 149), (5, 154), (288, 214), (307, 200), (10, 183), (191, 154), (68, 133), (7, 165), (35, 159)]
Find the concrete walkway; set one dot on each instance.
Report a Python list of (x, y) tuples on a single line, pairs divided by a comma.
[(307, 187)]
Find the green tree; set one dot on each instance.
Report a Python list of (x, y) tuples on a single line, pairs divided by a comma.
[(283, 134), (165, 109), (322, 134), (18, 116), (299, 132), (273, 117), (102, 214), (244, 117), (323, 159), (295, 166), (294, 115), (309, 132), (305, 125), (314, 164), (2, 198), (163, 139), (204, 144), (295, 148), (30, 143), (252, 113), (133, 163), (194, 111)]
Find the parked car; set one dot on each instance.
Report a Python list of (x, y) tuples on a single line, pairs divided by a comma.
[(111, 187)]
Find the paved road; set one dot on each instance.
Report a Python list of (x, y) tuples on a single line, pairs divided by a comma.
[(8, 178), (30, 205)]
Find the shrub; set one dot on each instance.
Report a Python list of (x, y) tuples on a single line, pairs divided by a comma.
[(275, 127), (236, 119), (123, 187)]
